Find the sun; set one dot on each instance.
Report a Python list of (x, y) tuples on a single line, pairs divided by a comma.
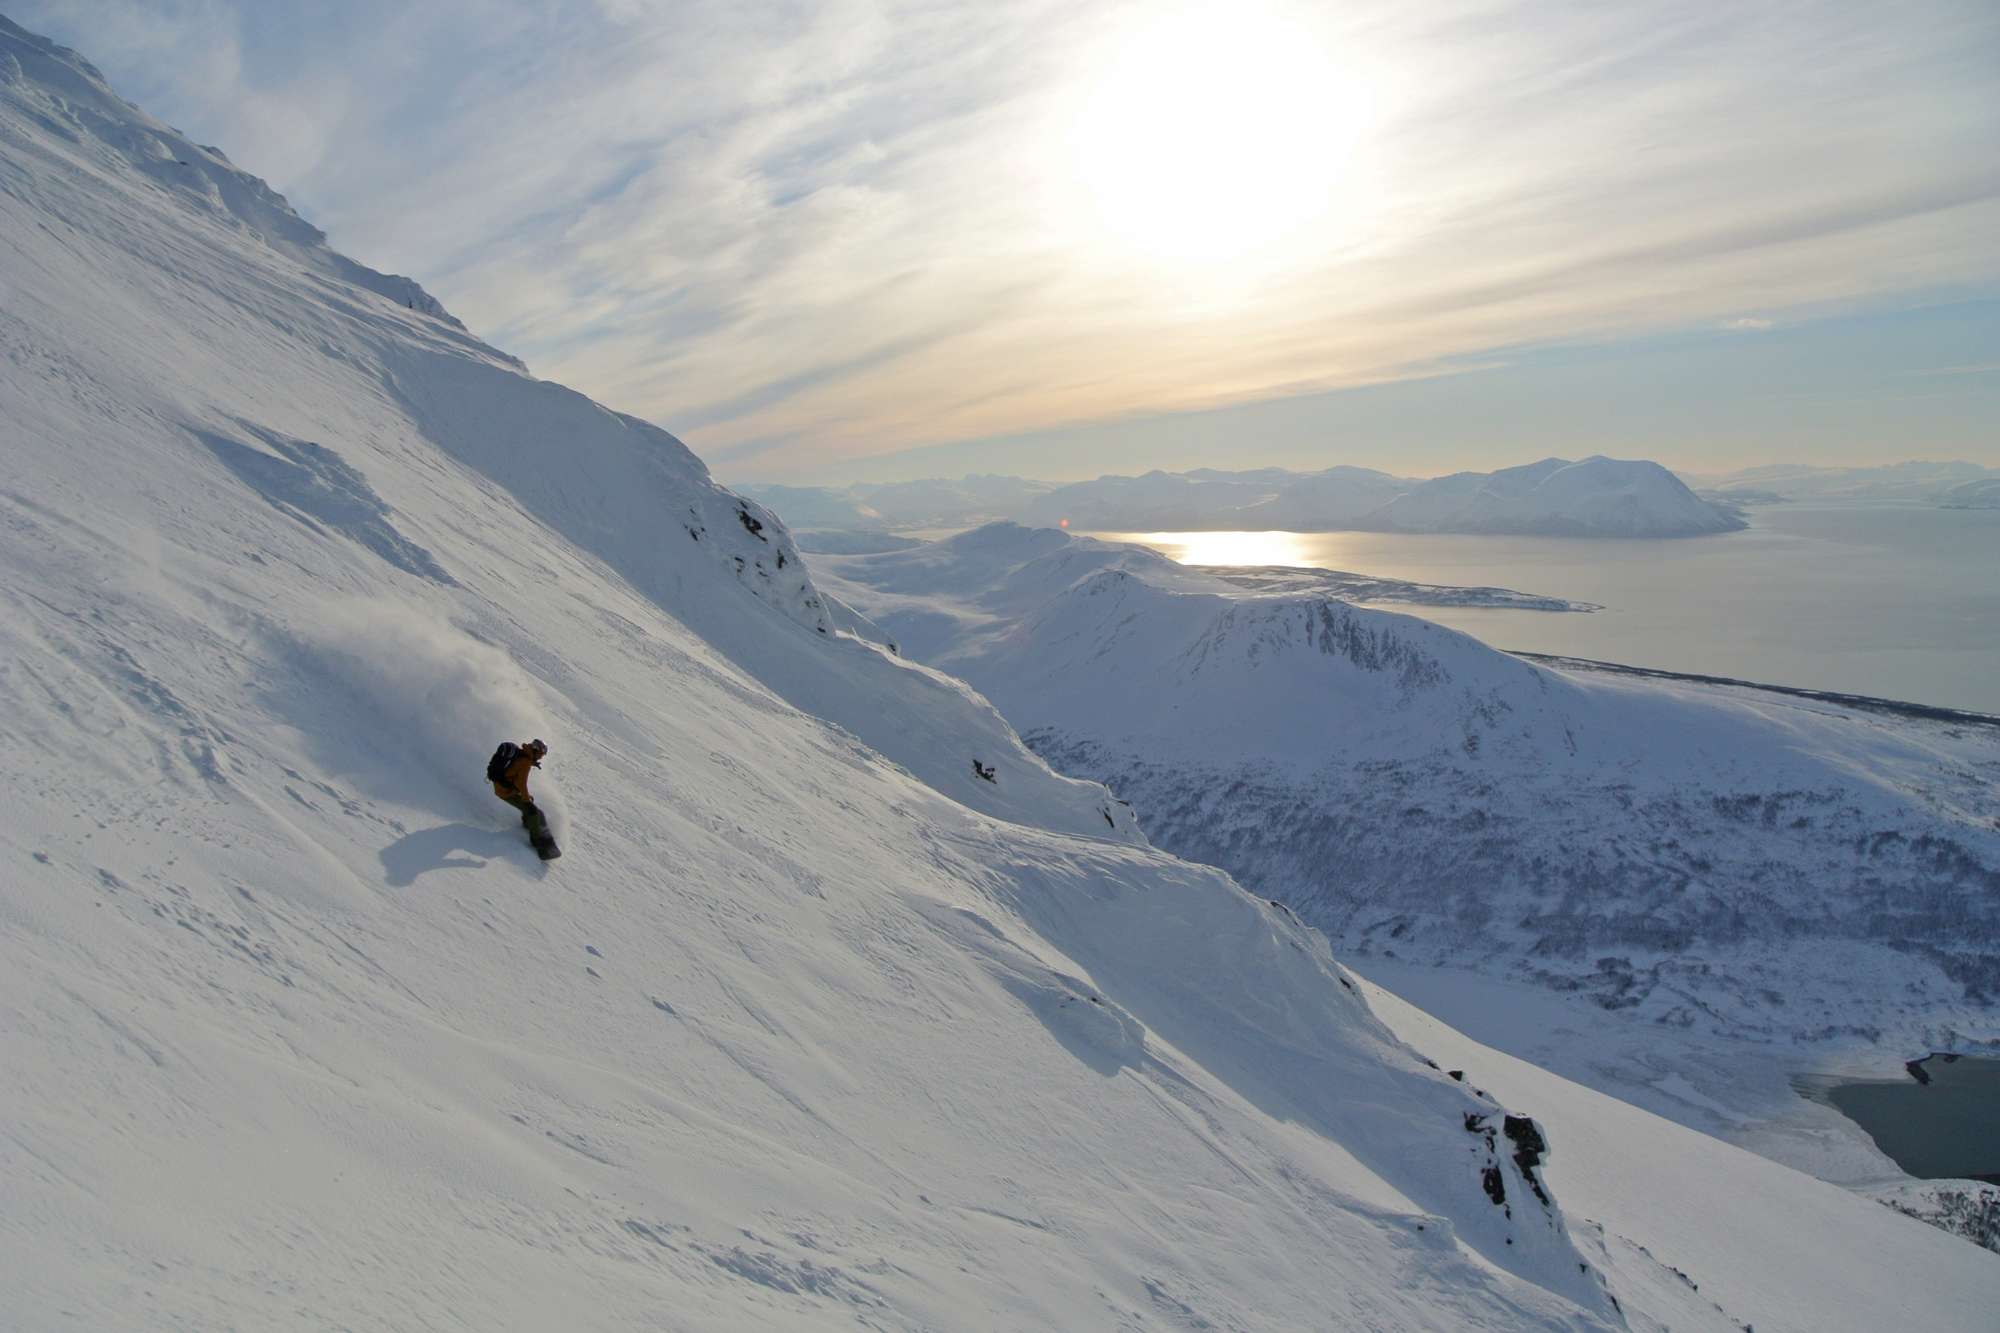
[(1216, 133)]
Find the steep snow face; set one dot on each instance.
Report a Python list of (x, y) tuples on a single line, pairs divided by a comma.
[(59, 94), (625, 493), (1610, 1171), (811, 1024), (1667, 849)]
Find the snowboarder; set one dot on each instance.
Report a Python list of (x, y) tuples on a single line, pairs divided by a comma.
[(508, 771)]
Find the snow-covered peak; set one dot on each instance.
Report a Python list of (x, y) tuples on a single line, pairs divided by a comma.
[(67, 98), (1594, 497), (934, 598), (1116, 640)]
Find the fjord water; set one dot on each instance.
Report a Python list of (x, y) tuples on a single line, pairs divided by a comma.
[(1946, 1127), (1896, 601)]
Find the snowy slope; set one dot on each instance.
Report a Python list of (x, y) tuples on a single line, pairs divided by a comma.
[(1669, 849), (810, 1027), (795, 1035), (1751, 1255)]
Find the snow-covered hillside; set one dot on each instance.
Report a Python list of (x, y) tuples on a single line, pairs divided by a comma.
[(811, 1027), (1597, 497), (1739, 861)]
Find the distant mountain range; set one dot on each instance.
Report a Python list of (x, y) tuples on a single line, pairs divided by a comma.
[(1923, 482), (883, 506), (1593, 497), (1981, 494)]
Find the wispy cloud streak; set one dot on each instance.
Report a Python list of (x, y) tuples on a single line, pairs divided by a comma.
[(804, 230)]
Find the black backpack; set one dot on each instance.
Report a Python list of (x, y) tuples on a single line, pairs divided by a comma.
[(496, 767)]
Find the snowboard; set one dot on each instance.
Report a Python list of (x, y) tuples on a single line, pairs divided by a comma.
[(539, 837)]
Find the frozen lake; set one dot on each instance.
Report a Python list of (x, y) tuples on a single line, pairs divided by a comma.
[(1897, 601)]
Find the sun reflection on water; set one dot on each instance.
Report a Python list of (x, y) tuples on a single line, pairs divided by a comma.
[(1226, 548)]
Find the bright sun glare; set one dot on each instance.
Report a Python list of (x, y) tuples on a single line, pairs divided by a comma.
[(1217, 133), (1226, 548)]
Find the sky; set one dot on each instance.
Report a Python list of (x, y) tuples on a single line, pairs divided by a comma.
[(882, 239)]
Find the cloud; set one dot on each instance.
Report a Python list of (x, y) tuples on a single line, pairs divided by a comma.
[(798, 231)]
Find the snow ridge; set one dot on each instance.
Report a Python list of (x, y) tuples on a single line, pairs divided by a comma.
[(69, 99)]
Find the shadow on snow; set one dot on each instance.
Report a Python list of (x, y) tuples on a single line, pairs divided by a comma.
[(448, 847)]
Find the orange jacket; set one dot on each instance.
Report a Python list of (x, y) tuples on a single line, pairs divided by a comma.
[(515, 781)]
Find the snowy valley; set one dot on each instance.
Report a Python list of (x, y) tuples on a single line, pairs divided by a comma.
[(1749, 883), (843, 1007)]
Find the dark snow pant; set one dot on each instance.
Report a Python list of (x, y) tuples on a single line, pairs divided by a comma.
[(532, 818)]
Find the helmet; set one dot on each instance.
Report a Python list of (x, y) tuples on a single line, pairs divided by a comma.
[(539, 746)]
